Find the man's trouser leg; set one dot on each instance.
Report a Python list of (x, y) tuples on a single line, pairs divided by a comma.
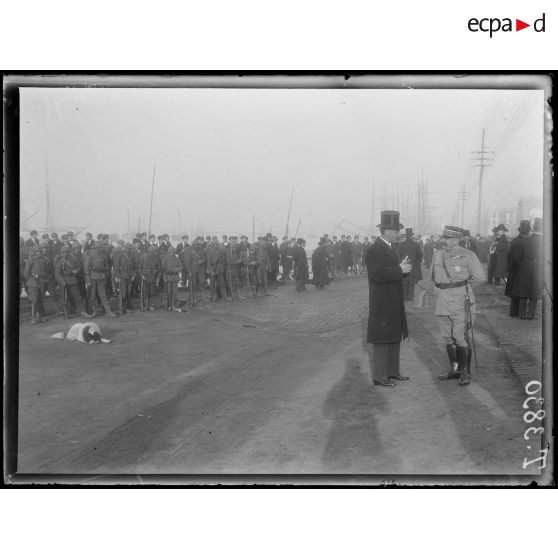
[(531, 308), (384, 360), (405, 288), (490, 271), (411, 291), (514, 307), (100, 288), (522, 308)]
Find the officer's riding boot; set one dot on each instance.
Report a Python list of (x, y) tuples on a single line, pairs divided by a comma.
[(455, 371), (464, 358)]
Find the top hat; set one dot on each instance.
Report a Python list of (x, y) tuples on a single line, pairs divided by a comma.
[(524, 226), (390, 220), (537, 227), (501, 227), (409, 232), (452, 232)]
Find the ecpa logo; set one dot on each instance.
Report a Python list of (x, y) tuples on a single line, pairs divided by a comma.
[(494, 24)]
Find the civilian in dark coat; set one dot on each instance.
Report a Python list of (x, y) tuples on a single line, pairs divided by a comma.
[(387, 322), (300, 264), (498, 263), (528, 283), (320, 273), (515, 257)]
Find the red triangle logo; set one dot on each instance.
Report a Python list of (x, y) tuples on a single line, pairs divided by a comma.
[(519, 25)]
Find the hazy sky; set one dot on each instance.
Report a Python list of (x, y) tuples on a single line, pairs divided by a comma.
[(223, 156)]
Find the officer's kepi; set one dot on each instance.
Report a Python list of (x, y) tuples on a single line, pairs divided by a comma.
[(452, 232)]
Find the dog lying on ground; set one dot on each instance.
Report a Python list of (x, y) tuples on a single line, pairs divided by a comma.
[(88, 332)]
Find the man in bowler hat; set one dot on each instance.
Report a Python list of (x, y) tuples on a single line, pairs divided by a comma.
[(387, 322)]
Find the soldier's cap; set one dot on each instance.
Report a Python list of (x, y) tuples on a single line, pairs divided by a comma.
[(99, 236), (151, 236), (128, 246), (54, 235), (165, 236), (501, 227), (138, 235), (143, 234), (70, 233), (300, 241), (88, 234), (45, 236), (136, 241), (293, 238), (243, 236), (185, 236), (171, 250), (120, 241), (452, 232), (33, 232), (160, 237)]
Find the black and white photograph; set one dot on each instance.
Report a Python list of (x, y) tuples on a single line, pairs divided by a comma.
[(279, 279)]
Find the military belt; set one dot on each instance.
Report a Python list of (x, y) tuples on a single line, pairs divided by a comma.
[(452, 285)]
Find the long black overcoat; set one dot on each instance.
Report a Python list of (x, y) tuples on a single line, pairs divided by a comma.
[(528, 283), (387, 322), (515, 256), (411, 249)]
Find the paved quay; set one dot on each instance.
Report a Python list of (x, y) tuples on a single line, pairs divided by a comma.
[(272, 385)]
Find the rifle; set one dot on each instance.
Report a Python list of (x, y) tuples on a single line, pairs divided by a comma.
[(119, 295), (65, 301), (190, 290)]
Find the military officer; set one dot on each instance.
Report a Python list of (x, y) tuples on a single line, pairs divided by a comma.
[(453, 269)]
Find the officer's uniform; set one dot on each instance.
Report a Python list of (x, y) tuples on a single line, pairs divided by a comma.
[(452, 271)]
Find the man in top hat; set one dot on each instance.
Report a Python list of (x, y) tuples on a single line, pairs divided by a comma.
[(498, 262), (387, 322), (453, 268), (515, 257), (528, 283), (411, 250)]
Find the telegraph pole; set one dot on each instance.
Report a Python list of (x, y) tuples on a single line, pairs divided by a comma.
[(463, 198), (151, 205), (289, 215), (484, 158)]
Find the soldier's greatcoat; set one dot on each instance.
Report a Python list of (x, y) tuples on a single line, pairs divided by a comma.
[(387, 322)]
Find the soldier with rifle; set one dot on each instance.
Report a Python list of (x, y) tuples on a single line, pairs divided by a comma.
[(150, 268), (198, 268), (123, 272), (215, 270), (66, 273), (262, 267), (232, 267), (35, 273), (172, 267), (247, 264), (95, 267)]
